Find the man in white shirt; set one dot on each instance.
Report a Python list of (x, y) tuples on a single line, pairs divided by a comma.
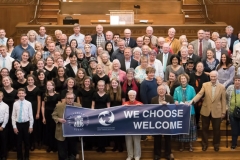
[(22, 121), (3, 39), (218, 50), (77, 35), (4, 115), (42, 35), (5, 60), (207, 37)]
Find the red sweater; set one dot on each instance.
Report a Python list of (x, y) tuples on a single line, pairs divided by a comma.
[(132, 103)]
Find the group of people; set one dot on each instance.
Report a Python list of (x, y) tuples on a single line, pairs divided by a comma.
[(41, 75)]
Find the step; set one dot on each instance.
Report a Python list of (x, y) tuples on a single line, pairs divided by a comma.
[(48, 11), (49, 5), (190, 2), (191, 6), (192, 11), (48, 18)]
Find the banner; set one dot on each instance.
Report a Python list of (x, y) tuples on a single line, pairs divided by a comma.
[(151, 119)]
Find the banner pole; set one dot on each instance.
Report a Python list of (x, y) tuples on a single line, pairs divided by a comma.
[(82, 148)]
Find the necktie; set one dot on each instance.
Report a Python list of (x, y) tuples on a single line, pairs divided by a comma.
[(200, 48), (127, 40), (4, 63), (164, 62), (20, 112)]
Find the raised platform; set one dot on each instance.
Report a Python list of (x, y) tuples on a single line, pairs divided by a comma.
[(137, 30)]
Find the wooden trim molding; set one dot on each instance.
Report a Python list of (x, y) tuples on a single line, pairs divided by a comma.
[(225, 1), (17, 2)]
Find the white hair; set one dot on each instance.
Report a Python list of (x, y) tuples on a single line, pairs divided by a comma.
[(132, 92)]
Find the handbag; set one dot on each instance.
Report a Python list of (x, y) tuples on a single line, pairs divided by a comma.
[(236, 111)]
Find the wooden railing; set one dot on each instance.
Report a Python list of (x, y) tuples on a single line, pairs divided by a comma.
[(205, 10)]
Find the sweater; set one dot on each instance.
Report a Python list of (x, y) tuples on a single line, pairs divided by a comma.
[(148, 90)]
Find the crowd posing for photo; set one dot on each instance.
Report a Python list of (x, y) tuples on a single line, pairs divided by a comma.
[(43, 74)]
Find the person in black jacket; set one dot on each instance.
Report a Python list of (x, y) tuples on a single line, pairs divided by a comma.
[(72, 66)]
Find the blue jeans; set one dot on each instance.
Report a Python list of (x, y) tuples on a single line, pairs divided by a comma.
[(235, 127)]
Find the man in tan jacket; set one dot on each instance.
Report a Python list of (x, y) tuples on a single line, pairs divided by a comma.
[(213, 109), (67, 147)]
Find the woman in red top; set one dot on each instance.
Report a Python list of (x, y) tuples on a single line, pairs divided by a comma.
[(136, 139)]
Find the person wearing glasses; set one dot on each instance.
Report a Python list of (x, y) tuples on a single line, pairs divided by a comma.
[(65, 152)]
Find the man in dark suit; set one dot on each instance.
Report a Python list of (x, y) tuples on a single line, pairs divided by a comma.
[(193, 56), (67, 146), (128, 62), (162, 99), (230, 37), (218, 50), (99, 37), (165, 56), (130, 42)]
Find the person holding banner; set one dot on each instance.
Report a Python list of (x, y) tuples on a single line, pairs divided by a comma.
[(67, 147), (148, 86), (130, 83), (117, 99), (133, 140), (184, 94), (213, 109), (162, 99), (100, 100)]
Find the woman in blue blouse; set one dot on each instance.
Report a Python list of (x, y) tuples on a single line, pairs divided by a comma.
[(184, 94)]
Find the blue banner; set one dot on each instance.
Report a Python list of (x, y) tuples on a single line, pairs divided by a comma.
[(151, 119)]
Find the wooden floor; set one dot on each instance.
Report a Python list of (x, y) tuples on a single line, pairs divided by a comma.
[(147, 151), (223, 154)]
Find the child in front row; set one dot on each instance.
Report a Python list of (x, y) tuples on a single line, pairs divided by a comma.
[(22, 121)]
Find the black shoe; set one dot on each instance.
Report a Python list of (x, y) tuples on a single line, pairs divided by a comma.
[(26, 159), (204, 148), (216, 149), (98, 149), (233, 147), (32, 148), (120, 149), (48, 150), (103, 150), (3, 158), (170, 157), (114, 149), (156, 157)]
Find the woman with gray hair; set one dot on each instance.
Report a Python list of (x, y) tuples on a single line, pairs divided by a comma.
[(32, 37), (137, 52), (130, 84), (116, 72), (184, 56), (133, 142)]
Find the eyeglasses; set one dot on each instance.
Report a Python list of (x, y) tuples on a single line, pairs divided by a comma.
[(69, 98)]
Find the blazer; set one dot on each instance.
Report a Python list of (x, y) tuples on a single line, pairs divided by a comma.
[(205, 46), (160, 58), (223, 51), (215, 105), (132, 42), (58, 113), (70, 72), (94, 39), (168, 99), (190, 94), (195, 59), (133, 64)]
